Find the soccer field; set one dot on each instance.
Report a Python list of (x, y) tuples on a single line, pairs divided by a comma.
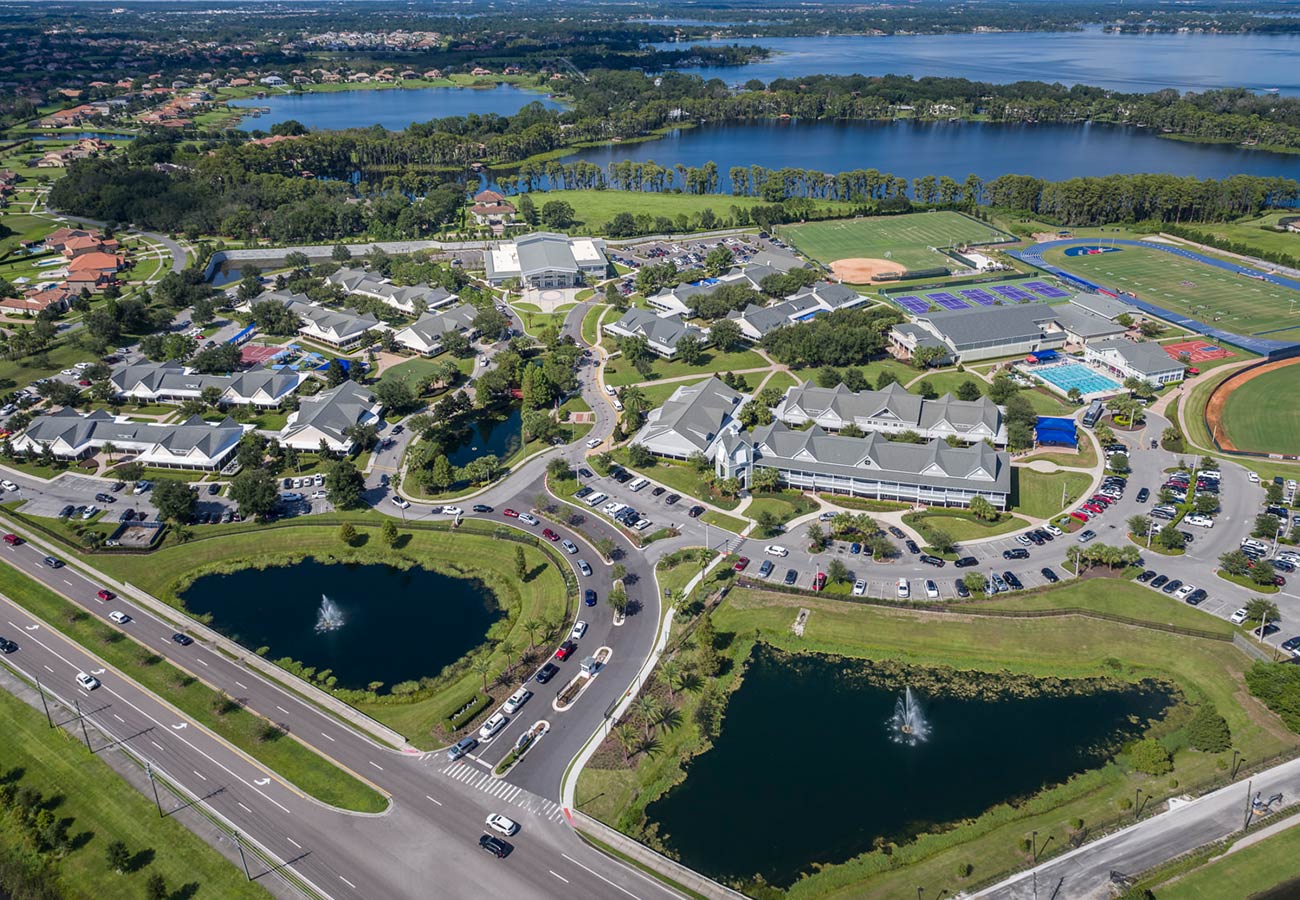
[(904, 239), (1224, 299)]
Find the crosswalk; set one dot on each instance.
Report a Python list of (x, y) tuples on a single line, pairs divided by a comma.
[(481, 779)]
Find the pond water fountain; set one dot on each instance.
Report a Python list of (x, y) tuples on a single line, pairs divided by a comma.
[(329, 617), (908, 723)]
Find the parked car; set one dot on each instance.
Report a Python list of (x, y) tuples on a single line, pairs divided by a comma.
[(1012, 580), (931, 590), (766, 568), (1238, 617), (859, 588), (903, 589), (1146, 576), (494, 723), (935, 561), (1015, 553), (791, 576), (741, 564), (1052, 577), (911, 546), (695, 511), (1159, 581)]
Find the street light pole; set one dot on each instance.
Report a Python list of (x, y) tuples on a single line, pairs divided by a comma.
[(41, 689), (148, 770), (1137, 805), (84, 733), (239, 845)]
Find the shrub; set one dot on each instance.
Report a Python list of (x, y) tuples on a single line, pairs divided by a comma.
[(1278, 686), (964, 870), (1149, 755), (1208, 730), (466, 712)]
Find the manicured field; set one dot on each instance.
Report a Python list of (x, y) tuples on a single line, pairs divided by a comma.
[(619, 373), (1214, 296), (904, 239), (1038, 494), (1262, 414), (1246, 873), (593, 209)]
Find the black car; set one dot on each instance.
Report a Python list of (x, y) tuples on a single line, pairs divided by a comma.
[(398, 429), (481, 508), (911, 546), (1015, 553), (214, 489), (1146, 576), (1159, 581), (1044, 534), (623, 477), (127, 515), (1011, 579), (7, 646), (1291, 645), (183, 639), (1171, 586), (962, 590), (932, 561), (896, 531), (966, 561), (66, 511), (585, 472), (1196, 597), (117, 486), (53, 562), (695, 511), (497, 847), (581, 492), (791, 576), (671, 499), (546, 673), (657, 492), (105, 498), (1035, 537), (288, 483), (1052, 577)]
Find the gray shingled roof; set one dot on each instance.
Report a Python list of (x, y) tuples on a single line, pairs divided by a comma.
[(991, 324), (665, 331), (430, 327), (334, 411), (694, 412), (77, 430), (1085, 324), (1147, 358), (171, 377), (544, 252), (894, 402)]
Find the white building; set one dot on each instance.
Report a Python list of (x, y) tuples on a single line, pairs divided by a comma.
[(171, 382), (192, 444), (893, 410), (411, 300), (425, 335), (1130, 359), (546, 260), (328, 417), (661, 332)]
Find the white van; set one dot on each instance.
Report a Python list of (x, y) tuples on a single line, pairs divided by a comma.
[(495, 723), (639, 484), (618, 404), (516, 700), (595, 499), (609, 389)]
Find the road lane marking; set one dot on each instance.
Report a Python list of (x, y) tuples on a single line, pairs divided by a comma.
[(295, 843), (244, 686), (202, 663), (376, 765), (283, 710), (600, 876), (326, 736), (200, 774), (431, 800), (348, 883), (243, 807), (67, 582), (558, 875), (119, 718), (48, 669), (156, 744)]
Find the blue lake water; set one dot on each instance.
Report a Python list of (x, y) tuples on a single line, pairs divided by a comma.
[(1121, 62), (956, 149), (393, 108)]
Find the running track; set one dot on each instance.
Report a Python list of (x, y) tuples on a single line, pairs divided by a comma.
[(1263, 346)]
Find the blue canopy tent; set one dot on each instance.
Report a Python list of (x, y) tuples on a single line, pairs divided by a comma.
[(1042, 356), (1055, 430)]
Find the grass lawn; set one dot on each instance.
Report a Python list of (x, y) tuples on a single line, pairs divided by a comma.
[(962, 527), (1246, 873), (1084, 457), (948, 381), (293, 761), (722, 520), (658, 394), (781, 381), (1038, 495), (105, 808), (593, 209), (1229, 301), (906, 239), (591, 323), (1065, 647), (1045, 403), (619, 373), (1253, 418), (412, 370), (784, 505), (463, 554)]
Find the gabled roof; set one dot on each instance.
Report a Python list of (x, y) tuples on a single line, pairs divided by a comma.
[(334, 411), (896, 405), (430, 327), (694, 414), (665, 331), (1147, 358)]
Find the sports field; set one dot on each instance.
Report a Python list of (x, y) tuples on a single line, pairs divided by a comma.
[(905, 240), (1261, 414), (1224, 299)]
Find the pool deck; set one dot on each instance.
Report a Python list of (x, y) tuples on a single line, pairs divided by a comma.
[(1035, 372)]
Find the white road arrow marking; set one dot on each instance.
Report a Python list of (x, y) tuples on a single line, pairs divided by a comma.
[(181, 726), (98, 671), (32, 627), (262, 782)]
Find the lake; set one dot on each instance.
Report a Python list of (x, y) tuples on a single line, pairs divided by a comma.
[(806, 768), (398, 625), (490, 434), (914, 149), (393, 108), (1121, 62)]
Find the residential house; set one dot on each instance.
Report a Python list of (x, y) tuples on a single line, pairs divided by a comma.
[(425, 336), (893, 410), (662, 333), (56, 297), (691, 420), (329, 416), (411, 300)]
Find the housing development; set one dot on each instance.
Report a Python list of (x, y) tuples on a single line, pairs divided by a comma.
[(445, 451)]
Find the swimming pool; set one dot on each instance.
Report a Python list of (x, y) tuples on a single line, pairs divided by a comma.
[(1076, 375)]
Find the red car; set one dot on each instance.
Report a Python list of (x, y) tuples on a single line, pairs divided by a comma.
[(1092, 508), (1103, 502), (104, 595), (1081, 516), (550, 535), (741, 564), (820, 581), (565, 650), (13, 540), (509, 513)]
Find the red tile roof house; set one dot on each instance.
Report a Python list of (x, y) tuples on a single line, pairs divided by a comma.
[(80, 246), (60, 298)]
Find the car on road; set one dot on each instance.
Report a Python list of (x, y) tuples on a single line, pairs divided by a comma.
[(509, 513), (1086, 535), (119, 617), (1144, 495), (859, 588), (959, 585), (935, 561), (546, 673), (183, 639), (1015, 553), (461, 747), (741, 564), (589, 597), (497, 847), (7, 646), (495, 723), (931, 590), (13, 540), (565, 650), (776, 550), (826, 516), (52, 562), (766, 568), (500, 823), (584, 568), (452, 511), (89, 682), (401, 502), (593, 443), (966, 562), (903, 590), (791, 576), (579, 629), (695, 511), (569, 546), (481, 508), (1052, 577), (104, 596), (550, 535), (528, 519)]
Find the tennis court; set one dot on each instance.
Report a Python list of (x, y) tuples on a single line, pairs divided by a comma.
[(254, 354), (1197, 351)]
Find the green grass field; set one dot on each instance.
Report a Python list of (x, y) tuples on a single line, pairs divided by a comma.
[(1255, 420), (905, 239), (593, 209), (1253, 869), (1214, 296), (1039, 494)]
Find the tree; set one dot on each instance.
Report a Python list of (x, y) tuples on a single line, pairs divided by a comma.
[(974, 582), (837, 572), (347, 533), (647, 707), (706, 641), (1263, 573), (335, 373), (527, 209), (718, 260), (725, 334), (344, 484), (968, 390), (1118, 464), (925, 356), (204, 312), (119, 858), (1266, 526), (1208, 731), (389, 532), (816, 538), (521, 563), (981, 508), (690, 349), (482, 666), (1170, 538), (441, 475), (941, 541), (558, 469), (1235, 562), (254, 492), (174, 499), (640, 456), (1149, 755), (1139, 525), (341, 254), (531, 626), (557, 214), (1262, 611), (627, 739), (155, 887), (667, 673), (1205, 503)]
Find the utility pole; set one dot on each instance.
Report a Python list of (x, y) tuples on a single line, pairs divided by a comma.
[(148, 770), (239, 845), (84, 733), (1245, 826), (41, 689)]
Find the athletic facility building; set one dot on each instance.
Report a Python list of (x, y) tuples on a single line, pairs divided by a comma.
[(546, 260), (1130, 359), (987, 332)]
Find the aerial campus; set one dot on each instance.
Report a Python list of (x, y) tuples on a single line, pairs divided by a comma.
[(649, 451)]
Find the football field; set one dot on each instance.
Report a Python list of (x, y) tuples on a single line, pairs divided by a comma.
[(904, 239)]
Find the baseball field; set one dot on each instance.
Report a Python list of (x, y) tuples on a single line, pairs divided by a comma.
[(1224, 299), (883, 244), (1256, 411)]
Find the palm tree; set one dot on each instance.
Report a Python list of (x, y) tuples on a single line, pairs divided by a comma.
[(626, 736), (531, 626), (109, 449), (668, 672), (647, 707), (509, 649), (482, 666)]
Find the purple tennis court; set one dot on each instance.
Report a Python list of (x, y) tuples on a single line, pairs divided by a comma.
[(1047, 290), (911, 304), (1014, 293), (980, 296), (948, 301)]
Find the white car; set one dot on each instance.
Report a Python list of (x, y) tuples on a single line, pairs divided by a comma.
[(1023, 539), (8, 485), (1200, 521), (593, 443), (1053, 530), (579, 629), (931, 590), (776, 550), (89, 682), (482, 360), (859, 588), (569, 546), (401, 502), (495, 723), (119, 617), (453, 511), (516, 700), (525, 518), (1238, 617), (1185, 591), (500, 823), (1253, 476), (90, 512), (904, 590), (68, 373), (319, 495)]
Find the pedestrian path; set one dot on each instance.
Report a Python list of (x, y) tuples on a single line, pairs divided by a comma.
[(474, 775)]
